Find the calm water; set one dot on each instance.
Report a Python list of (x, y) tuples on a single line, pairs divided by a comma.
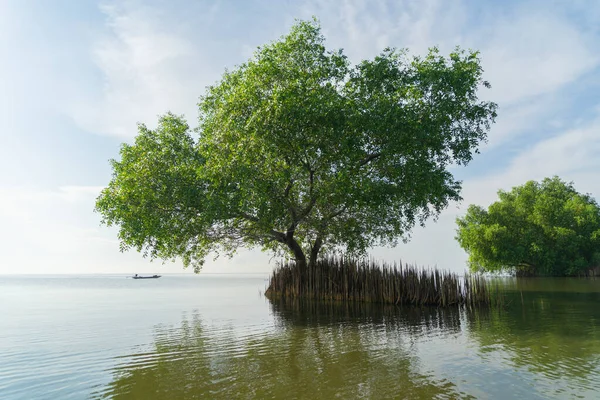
[(215, 337)]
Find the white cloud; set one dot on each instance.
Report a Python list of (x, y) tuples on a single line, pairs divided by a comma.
[(55, 231), (533, 52), (526, 51), (572, 155), (363, 28), (74, 194), (514, 120), (149, 67)]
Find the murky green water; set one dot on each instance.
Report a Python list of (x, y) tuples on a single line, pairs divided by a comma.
[(215, 337)]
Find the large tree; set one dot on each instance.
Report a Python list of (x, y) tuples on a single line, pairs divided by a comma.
[(539, 228), (298, 151)]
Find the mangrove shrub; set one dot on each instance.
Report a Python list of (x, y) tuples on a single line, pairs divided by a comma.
[(539, 228)]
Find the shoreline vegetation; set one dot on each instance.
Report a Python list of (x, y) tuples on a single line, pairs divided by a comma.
[(354, 280), (544, 228)]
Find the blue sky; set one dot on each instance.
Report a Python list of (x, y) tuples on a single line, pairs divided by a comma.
[(76, 76)]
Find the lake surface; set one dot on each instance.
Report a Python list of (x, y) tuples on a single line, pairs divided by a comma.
[(216, 337)]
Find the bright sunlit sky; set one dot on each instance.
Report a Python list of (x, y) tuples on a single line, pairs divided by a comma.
[(76, 76)]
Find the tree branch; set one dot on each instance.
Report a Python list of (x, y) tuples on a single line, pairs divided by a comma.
[(313, 200), (334, 214), (248, 217), (286, 192), (278, 236), (369, 158)]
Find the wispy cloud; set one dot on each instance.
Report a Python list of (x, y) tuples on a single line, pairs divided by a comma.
[(571, 154), (533, 52), (149, 66)]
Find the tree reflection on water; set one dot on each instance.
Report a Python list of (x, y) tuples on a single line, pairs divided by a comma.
[(548, 327), (315, 351), (543, 342)]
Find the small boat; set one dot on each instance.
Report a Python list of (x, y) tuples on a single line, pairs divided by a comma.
[(136, 276)]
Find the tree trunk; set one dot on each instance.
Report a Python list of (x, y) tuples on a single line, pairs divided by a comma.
[(297, 250), (300, 262), (525, 270), (314, 252)]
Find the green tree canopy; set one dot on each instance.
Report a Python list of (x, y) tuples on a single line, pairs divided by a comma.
[(299, 151), (540, 228)]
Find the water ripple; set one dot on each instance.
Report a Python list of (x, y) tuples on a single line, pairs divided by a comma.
[(196, 339)]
